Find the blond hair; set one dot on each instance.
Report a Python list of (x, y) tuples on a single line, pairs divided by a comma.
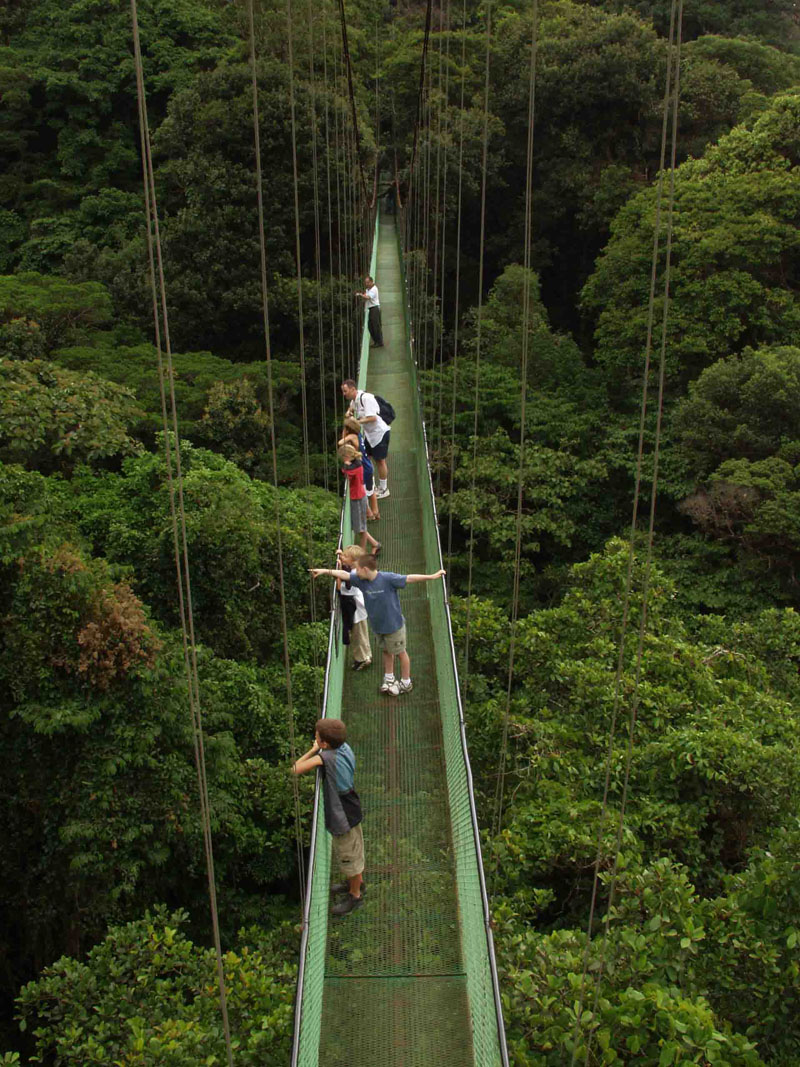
[(353, 552), (347, 453), (352, 424)]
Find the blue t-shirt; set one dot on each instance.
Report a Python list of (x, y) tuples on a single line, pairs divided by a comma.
[(381, 600)]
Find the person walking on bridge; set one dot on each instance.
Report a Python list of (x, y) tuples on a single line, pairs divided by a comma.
[(373, 301), (365, 408)]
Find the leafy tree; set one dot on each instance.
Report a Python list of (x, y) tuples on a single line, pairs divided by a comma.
[(232, 544), (639, 999), (64, 310), (148, 995), (750, 963), (236, 423), (743, 406), (55, 419), (75, 119), (100, 811), (775, 21), (21, 339), (768, 69), (713, 770), (733, 249), (754, 505), (195, 376)]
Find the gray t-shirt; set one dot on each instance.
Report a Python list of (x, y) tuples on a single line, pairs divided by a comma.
[(381, 600)]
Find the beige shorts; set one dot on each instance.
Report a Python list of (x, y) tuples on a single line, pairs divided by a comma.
[(348, 851), (394, 643)]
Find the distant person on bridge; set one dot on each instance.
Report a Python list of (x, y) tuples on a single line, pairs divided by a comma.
[(365, 408), (337, 762), (373, 302), (384, 613)]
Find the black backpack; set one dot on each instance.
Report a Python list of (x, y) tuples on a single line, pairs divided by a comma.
[(386, 410)]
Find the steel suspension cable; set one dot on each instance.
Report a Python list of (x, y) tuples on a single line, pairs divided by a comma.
[(349, 69), (526, 319), (478, 338), (674, 29), (457, 307), (422, 326), (178, 515), (274, 451), (317, 236), (443, 258), (312, 596), (341, 232), (423, 64), (337, 396)]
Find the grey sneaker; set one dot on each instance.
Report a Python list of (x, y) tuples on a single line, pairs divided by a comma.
[(350, 903), (386, 687), (405, 685), (383, 493)]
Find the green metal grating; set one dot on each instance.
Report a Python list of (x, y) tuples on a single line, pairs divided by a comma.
[(408, 979)]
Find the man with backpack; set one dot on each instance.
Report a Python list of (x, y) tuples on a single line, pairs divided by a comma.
[(374, 413)]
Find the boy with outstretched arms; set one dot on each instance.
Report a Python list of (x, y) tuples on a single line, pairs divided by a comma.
[(331, 753), (384, 613)]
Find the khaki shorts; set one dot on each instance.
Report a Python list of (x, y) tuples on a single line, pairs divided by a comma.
[(394, 643), (348, 851)]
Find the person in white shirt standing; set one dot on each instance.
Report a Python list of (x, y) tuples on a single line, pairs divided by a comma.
[(370, 295), (365, 408)]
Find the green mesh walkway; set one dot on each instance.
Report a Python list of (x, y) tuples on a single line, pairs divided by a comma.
[(407, 980)]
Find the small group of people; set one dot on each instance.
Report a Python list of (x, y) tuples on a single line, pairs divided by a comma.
[(363, 449), (375, 593), (369, 598)]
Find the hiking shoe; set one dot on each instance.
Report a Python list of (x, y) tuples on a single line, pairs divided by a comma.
[(356, 665), (391, 689), (363, 664), (383, 493), (344, 907), (405, 686), (344, 887)]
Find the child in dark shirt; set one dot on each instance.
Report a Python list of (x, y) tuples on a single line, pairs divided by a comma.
[(331, 753)]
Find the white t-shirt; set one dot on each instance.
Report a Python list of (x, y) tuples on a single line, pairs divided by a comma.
[(366, 404), (373, 301), (358, 596)]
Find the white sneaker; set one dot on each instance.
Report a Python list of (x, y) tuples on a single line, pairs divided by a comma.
[(405, 686), (391, 689), (382, 494)]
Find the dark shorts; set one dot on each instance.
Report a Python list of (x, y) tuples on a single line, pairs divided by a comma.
[(379, 451)]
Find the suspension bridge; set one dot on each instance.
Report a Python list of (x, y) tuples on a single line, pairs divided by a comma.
[(410, 977)]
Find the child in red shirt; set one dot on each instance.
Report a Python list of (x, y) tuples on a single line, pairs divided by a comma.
[(352, 467)]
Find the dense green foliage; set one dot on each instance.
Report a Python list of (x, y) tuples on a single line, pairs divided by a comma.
[(693, 955)]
